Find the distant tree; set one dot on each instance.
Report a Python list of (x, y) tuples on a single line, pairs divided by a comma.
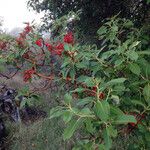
[(92, 11)]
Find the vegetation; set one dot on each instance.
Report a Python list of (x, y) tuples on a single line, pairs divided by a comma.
[(96, 11), (103, 89)]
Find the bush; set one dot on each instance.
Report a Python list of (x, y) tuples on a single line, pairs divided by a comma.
[(109, 95)]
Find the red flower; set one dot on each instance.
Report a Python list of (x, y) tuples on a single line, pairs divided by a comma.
[(39, 42), (59, 49), (68, 38), (20, 41), (28, 74), (60, 46), (3, 45), (132, 124), (26, 55), (101, 95), (49, 46), (23, 35), (94, 88), (28, 28)]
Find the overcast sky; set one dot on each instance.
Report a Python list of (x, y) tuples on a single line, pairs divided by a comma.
[(15, 12)]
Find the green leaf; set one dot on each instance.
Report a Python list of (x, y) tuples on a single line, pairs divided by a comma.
[(102, 110), (115, 81), (23, 103), (36, 97), (89, 125), (107, 139), (146, 93), (124, 119), (67, 98), (65, 64), (72, 126), (133, 55), (101, 147), (82, 78), (134, 68), (115, 111), (85, 101), (56, 112), (134, 44), (72, 74), (107, 54), (67, 116), (82, 64), (112, 131), (2, 60), (118, 62), (66, 47), (147, 52), (79, 90), (138, 102), (128, 24), (87, 80), (85, 111), (102, 30)]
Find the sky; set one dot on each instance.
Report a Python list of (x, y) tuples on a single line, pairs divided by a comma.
[(15, 12)]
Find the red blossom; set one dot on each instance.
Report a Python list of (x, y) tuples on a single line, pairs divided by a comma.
[(20, 41), (26, 55), (28, 28), (101, 95), (2, 45), (60, 46), (23, 35), (49, 46), (28, 74), (68, 38), (59, 49), (94, 88), (93, 92), (132, 124), (39, 42)]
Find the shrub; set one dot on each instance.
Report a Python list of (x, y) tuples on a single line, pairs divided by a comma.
[(110, 92)]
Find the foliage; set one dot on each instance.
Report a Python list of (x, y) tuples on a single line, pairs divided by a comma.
[(95, 11), (110, 86)]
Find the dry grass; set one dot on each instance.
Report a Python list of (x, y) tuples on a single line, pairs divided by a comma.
[(44, 134)]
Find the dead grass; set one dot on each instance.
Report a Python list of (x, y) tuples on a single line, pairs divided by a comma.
[(44, 134)]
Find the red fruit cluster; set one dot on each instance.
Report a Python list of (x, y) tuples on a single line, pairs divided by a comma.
[(68, 38), (3, 45), (59, 49), (28, 74), (27, 29), (21, 39), (49, 46), (26, 55), (101, 95), (39, 42), (93, 93)]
